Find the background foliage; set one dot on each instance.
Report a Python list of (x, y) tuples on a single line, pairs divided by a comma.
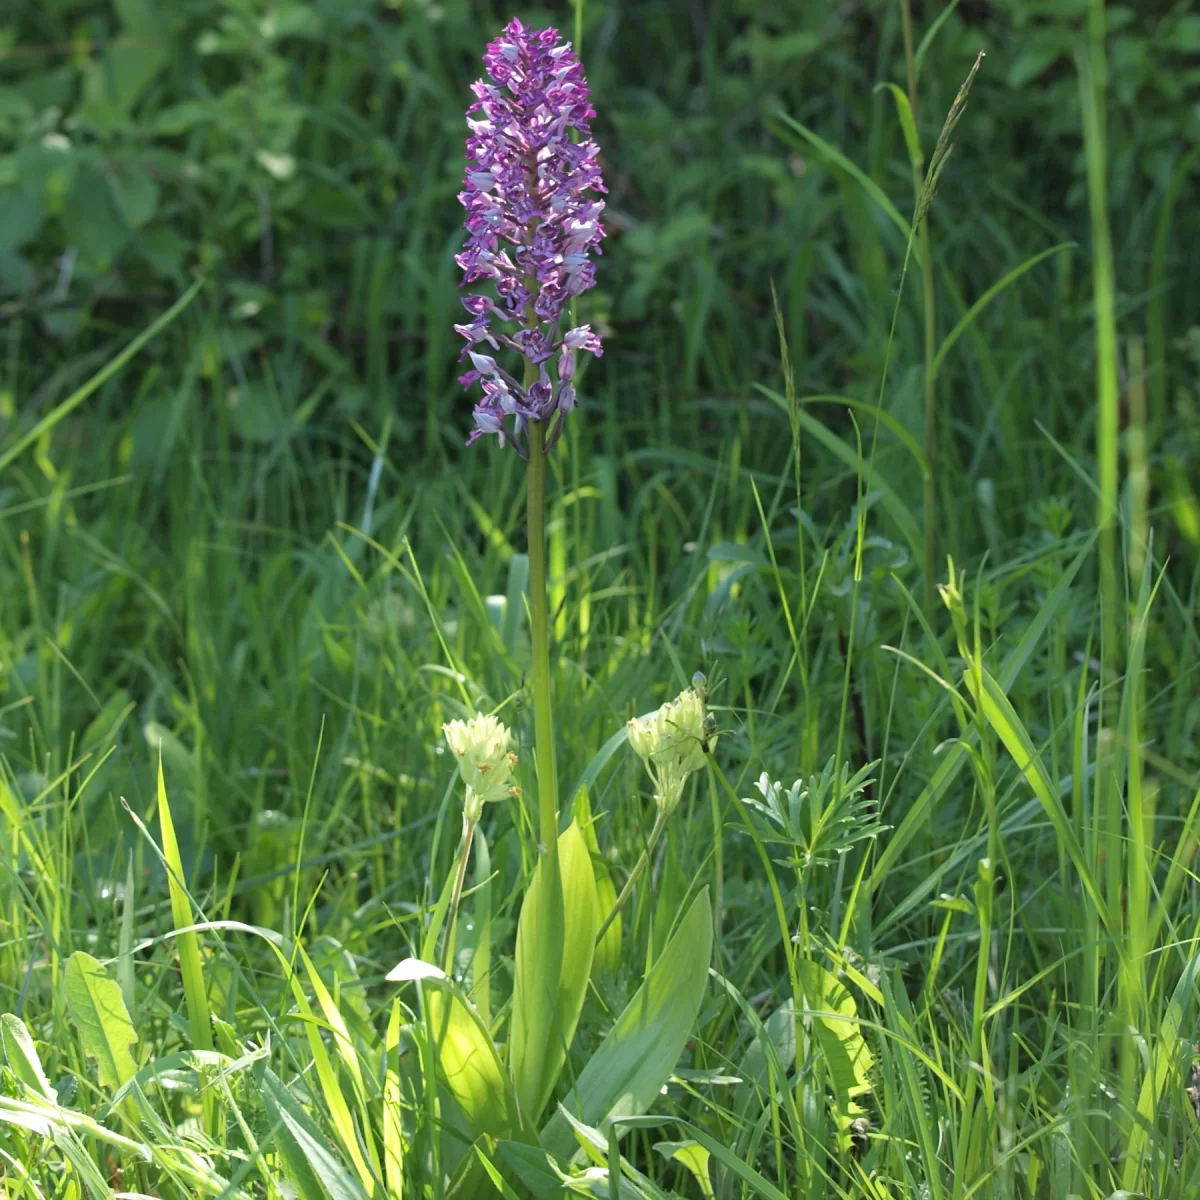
[(261, 547)]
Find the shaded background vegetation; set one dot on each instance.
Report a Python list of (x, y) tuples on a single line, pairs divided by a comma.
[(305, 158)]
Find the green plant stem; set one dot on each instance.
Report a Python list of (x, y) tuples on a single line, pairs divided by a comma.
[(464, 856), (660, 823), (539, 672), (930, 320)]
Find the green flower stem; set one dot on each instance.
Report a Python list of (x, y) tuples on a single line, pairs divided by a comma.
[(539, 637), (660, 823), (464, 856)]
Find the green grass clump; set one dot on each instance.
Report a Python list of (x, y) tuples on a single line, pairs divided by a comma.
[(909, 471)]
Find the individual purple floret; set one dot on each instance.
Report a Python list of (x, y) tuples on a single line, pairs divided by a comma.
[(531, 226)]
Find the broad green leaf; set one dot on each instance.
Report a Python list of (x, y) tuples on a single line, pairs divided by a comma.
[(545, 1008), (308, 1159), (694, 1157), (608, 950), (22, 1057), (843, 1046), (626, 1074), (21, 217), (467, 1058), (498, 1182), (769, 1055), (114, 82), (100, 1016), (533, 1168), (135, 191), (92, 221)]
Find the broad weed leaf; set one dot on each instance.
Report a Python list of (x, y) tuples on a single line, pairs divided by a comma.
[(843, 1046), (468, 1063), (99, 1014)]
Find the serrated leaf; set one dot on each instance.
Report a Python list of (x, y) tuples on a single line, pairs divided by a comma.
[(99, 1014), (626, 1074)]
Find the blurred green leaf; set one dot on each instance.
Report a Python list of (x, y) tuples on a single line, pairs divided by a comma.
[(21, 218), (136, 193), (92, 222)]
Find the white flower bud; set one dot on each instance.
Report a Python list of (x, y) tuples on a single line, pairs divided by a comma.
[(673, 742), (485, 761)]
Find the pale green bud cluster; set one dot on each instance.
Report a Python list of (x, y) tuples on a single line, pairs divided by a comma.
[(673, 743), (485, 760)]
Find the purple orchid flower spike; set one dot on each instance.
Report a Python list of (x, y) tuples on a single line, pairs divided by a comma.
[(532, 224)]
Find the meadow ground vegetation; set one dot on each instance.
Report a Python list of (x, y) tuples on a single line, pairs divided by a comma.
[(765, 764)]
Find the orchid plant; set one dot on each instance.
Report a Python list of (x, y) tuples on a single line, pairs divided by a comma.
[(532, 195)]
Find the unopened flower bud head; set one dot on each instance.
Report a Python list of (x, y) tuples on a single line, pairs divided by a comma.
[(485, 760), (643, 735), (673, 742)]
